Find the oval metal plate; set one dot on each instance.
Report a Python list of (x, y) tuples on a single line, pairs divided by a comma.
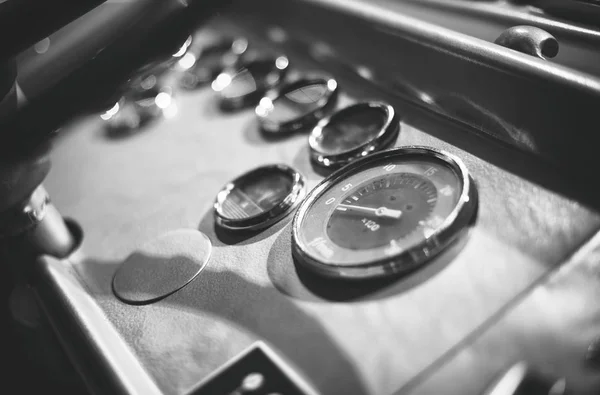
[(162, 266)]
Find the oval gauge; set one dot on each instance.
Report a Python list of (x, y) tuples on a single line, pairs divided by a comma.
[(353, 132), (211, 61), (388, 213), (138, 107), (259, 198), (248, 82), (297, 105)]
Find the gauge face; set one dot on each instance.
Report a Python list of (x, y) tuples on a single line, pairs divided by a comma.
[(256, 195), (369, 216), (296, 105), (351, 129), (259, 198), (384, 214), (352, 133)]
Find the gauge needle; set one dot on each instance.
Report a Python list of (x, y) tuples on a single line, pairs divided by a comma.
[(380, 212)]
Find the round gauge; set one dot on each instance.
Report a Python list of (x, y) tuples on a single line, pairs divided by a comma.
[(385, 214), (259, 198), (248, 82), (352, 133), (212, 60), (297, 105)]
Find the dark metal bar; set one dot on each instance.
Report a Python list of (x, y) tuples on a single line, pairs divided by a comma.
[(155, 32), (97, 351), (24, 22), (534, 105)]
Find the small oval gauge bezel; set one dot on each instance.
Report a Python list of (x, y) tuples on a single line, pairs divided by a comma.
[(267, 218), (385, 138), (232, 103), (323, 106), (228, 49)]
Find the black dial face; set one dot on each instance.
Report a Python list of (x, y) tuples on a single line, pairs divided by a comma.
[(384, 206), (386, 209)]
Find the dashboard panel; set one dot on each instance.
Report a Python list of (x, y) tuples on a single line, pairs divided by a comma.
[(517, 287)]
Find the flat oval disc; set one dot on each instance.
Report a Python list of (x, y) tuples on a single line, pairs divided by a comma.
[(162, 266)]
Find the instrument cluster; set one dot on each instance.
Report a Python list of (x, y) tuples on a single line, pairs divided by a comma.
[(267, 184), (380, 212)]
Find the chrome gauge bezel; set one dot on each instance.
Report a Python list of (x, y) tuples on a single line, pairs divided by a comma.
[(455, 225), (267, 218), (227, 49), (386, 137), (280, 67), (323, 105)]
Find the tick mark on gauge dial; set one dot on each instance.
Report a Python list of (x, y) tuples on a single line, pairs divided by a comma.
[(391, 219)]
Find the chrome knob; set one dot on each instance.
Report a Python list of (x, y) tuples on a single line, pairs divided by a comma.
[(529, 40)]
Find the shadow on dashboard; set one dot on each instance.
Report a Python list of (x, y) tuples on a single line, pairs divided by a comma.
[(295, 281), (211, 109), (301, 161), (223, 237), (122, 132), (222, 298)]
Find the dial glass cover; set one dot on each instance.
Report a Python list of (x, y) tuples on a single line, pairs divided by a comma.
[(384, 214), (256, 195), (351, 130), (211, 61), (296, 105), (259, 197), (352, 133), (246, 83)]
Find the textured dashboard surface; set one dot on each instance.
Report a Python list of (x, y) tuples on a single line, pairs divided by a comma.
[(344, 338), (552, 330)]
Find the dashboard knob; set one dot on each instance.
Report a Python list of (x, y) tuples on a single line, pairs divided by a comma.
[(529, 40)]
